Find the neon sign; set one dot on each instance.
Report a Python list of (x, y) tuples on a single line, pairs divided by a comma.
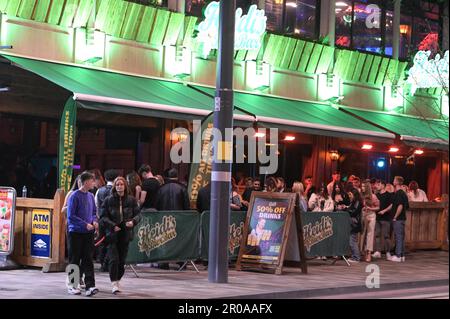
[(427, 73), (248, 29)]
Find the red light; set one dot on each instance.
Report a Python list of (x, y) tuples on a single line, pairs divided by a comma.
[(367, 147), (418, 152), (289, 138), (393, 149)]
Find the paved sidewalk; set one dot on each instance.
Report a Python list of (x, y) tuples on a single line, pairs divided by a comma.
[(422, 269)]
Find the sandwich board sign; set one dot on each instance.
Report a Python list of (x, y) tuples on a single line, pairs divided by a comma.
[(266, 232)]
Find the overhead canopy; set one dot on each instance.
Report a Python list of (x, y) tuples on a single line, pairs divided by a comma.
[(305, 116), (412, 130), (115, 92)]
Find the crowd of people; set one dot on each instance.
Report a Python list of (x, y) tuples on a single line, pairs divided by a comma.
[(102, 211), (376, 209)]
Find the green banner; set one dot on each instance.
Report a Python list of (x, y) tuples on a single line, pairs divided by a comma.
[(326, 234), (237, 221), (165, 236), (66, 150), (200, 173)]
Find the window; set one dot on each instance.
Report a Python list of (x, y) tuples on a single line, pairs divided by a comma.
[(344, 15), (195, 7), (356, 26), (159, 3), (419, 27), (274, 13), (301, 18), (367, 27)]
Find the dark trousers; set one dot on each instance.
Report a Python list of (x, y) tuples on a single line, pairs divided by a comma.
[(81, 253), (399, 232), (383, 236), (117, 254)]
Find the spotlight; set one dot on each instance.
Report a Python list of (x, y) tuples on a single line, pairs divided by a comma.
[(393, 149), (367, 147)]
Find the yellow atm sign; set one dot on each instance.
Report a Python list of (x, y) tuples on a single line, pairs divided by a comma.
[(40, 222)]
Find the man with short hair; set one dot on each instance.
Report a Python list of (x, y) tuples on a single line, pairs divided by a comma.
[(336, 178), (309, 187), (81, 223), (383, 223), (255, 186), (172, 196), (399, 207), (149, 184), (281, 184)]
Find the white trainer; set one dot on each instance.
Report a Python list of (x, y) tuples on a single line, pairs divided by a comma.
[(115, 287), (396, 259), (403, 259), (91, 291), (376, 254), (388, 256), (73, 291)]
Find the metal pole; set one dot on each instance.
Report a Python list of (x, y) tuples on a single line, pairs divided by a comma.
[(332, 23), (396, 30), (221, 172)]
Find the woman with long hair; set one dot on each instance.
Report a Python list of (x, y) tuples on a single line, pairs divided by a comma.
[(321, 201), (300, 201), (354, 209), (99, 180), (371, 207), (415, 194), (135, 186), (339, 197), (120, 214)]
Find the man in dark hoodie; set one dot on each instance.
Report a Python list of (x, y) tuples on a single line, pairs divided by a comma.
[(100, 196), (172, 196)]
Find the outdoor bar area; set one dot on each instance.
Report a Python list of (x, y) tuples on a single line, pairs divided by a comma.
[(122, 75)]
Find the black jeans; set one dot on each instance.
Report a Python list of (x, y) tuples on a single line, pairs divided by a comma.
[(117, 254), (81, 253)]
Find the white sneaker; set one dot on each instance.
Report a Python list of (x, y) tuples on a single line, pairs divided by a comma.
[(403, 259), (115, 287), (376, 254), (388, 256), (396, 259), (91, 291), (73, 291)]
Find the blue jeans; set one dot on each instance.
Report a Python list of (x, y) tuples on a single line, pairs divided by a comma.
[(354, 246), (399, 232)]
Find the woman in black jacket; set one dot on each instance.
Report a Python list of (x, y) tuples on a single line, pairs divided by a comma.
[(119, 214), (354, 210)]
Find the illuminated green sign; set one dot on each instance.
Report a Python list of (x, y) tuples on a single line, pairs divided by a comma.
[(248, 31)]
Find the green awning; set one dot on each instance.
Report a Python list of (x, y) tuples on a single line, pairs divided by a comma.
[(305, 116), (116, 92), (412, 130)]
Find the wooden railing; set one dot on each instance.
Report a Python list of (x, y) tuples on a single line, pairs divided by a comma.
[(22, 233), (427, 226)]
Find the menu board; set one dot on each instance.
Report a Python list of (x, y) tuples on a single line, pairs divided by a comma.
[(266, 230), (7, 209)]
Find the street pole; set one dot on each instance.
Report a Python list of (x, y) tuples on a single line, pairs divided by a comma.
[(396, 30), (221, 172)]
